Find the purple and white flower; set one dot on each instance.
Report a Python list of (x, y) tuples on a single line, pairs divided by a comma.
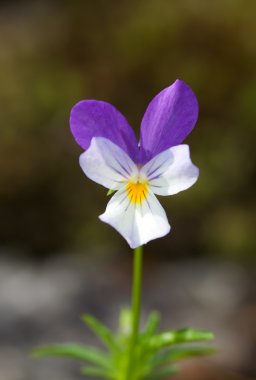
[(157, 165)]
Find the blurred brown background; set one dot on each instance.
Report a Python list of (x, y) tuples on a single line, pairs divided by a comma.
[(57, 259)]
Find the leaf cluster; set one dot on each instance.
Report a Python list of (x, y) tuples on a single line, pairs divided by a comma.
[(155, 357)]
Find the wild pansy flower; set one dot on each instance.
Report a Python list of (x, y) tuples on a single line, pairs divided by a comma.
[(158, 165)]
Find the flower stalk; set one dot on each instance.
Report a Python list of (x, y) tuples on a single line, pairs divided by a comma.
[(136, 306)]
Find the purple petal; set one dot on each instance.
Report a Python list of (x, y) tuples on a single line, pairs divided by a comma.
[(93, 118), (168, 120)]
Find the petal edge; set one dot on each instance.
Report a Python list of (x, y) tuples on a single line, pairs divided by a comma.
[(138, 224), (171, 171), (107, 164), (95, 118), (168, 120)]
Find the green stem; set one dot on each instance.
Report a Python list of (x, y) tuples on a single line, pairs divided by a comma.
[(136, 306)]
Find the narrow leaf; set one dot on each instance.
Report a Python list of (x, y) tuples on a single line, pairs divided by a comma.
[(74, 351), (179, 353), (125, 322), (103, 333), (162, 373), (179, 336), (152, 324), (95, 372)]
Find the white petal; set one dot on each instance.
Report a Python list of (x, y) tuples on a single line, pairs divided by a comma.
[(137, 223), (170, 171), (107, 164)]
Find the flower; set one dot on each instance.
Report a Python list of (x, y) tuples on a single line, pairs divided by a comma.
[(158, 165)]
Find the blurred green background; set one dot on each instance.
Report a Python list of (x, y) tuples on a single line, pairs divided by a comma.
[(55, 53)]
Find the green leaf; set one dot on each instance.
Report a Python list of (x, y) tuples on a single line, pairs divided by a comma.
[(96, 372), (152, 324), (74, 351), (162, 373), (179, 353), (125, 321), (102, 332), (110, 192), (179, 336)]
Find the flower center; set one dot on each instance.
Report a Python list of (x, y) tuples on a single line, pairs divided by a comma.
[(137, 191)]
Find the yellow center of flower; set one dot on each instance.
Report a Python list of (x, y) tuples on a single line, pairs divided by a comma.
[(137, 191)]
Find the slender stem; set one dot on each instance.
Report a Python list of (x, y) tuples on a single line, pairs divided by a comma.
[(136, 305), (136, 292)]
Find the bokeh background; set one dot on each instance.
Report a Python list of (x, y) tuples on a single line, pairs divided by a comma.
[(57, 259)]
